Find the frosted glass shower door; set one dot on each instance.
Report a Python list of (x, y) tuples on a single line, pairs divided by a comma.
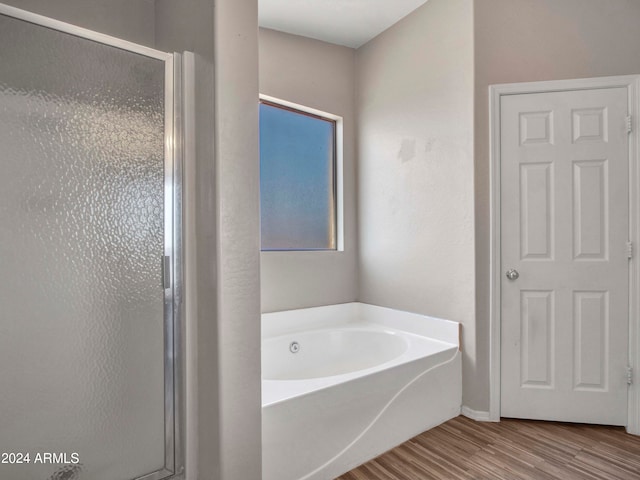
[(86, 199)]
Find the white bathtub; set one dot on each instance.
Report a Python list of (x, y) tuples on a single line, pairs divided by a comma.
[(345, 383)]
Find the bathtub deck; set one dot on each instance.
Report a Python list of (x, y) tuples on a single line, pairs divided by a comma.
[(462, 449)]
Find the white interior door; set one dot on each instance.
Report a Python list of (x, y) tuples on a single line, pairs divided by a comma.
[(565, 226)]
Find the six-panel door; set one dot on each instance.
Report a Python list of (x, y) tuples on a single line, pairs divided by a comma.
[(564, 214)]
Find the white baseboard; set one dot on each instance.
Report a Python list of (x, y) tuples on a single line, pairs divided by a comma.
[(476, 415)]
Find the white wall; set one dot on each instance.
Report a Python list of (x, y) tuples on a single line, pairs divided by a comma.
[(415, 168), (318, 75), (238, 237), (125, 19), (530, 40)]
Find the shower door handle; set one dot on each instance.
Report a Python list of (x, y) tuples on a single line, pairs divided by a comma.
[(166, 271)]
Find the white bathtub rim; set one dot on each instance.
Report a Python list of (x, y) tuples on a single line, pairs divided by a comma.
[(365, 326), (442, 333), (279, 401), (300, 388), (299, 320)]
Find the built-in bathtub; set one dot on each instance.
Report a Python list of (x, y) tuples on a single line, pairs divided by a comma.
[(345, 383)]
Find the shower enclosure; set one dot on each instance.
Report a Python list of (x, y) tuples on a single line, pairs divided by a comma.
[(90, 261)]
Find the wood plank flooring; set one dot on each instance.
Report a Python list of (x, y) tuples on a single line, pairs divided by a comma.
[(462, 449)]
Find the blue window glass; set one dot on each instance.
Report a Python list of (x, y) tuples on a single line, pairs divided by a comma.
[(297, 180)]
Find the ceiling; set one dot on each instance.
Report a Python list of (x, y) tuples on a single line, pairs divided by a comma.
[(345, 22)]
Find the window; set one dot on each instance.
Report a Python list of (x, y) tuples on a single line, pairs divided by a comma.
[(297, 179)]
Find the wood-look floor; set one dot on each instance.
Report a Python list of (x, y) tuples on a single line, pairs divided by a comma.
[(462, 449)]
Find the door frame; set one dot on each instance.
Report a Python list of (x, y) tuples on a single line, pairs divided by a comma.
[(632, 84)]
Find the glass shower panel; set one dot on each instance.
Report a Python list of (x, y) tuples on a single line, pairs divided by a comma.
[(81, 248)]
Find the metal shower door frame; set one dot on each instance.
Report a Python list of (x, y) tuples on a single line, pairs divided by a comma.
[(172, 261)]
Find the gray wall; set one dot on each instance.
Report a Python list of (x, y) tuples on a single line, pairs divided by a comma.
[(318, 75), (238, 238), (188, 26), (415, 168), (530, 40)]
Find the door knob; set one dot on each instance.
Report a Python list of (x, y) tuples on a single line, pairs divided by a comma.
[(512, 274)]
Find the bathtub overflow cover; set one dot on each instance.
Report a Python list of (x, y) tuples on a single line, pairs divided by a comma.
[(294, 347)]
